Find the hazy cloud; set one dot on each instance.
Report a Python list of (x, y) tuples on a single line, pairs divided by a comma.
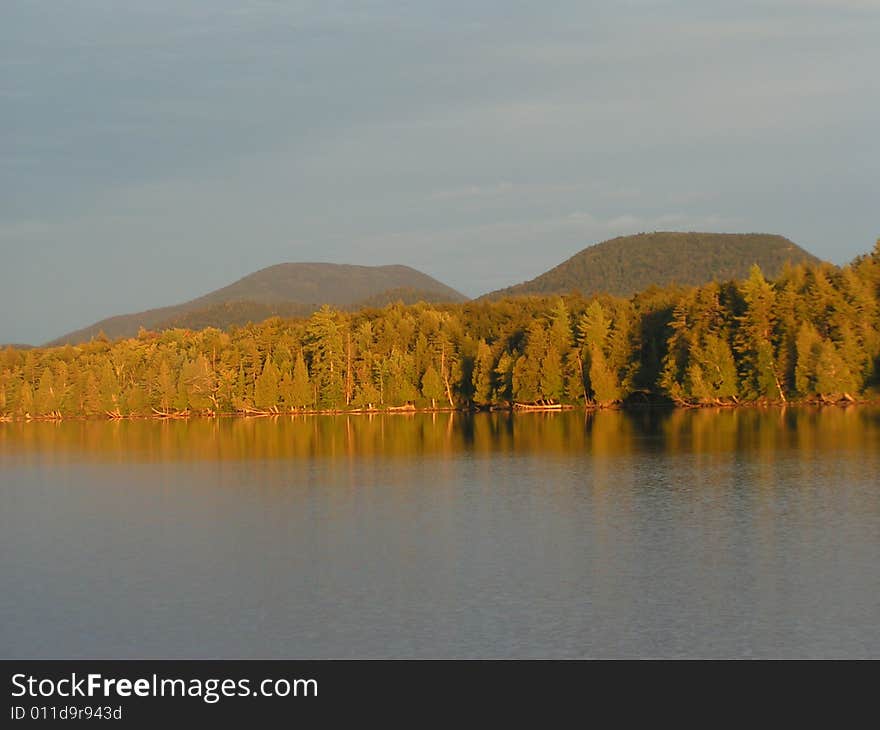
[(151, 152)]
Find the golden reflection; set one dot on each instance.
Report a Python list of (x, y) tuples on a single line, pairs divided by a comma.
[(769, 433)]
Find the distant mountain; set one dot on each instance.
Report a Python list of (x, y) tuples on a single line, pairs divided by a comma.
[(295, 289), (629, 264), (238, 313)]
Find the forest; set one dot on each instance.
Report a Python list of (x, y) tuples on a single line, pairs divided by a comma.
[(810, 334)]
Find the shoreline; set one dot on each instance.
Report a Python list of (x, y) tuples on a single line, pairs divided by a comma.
[(403, 411)]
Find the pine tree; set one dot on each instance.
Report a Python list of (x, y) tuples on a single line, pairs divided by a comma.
[(594, 335), (833, 375), (719, 368), (809, 345), (573, 373), (266, 387), (181, 399), (134, 400), (754, 338), (559, 335), (432, 386), (46, 402), (109, 387), (594, 326), (620, 350), (603, 382), (812, 332), (61, 384), (483, 374), (200, 383), (301, 393), (527, 370), (325, 344), (26, 400), (552, 382), (92, 399), (166, 386), (504, 378)]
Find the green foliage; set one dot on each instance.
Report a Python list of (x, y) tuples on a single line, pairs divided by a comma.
[(432, 385), (300, 394), (754, 341), (812, 333), (594, 326), (603, 381), (821, 369), (266, 387), (483, 375)]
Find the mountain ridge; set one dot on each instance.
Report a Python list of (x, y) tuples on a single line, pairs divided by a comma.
[(625, 265), (619, 266), (297, 287)]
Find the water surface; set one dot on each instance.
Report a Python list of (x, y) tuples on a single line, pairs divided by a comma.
[(736, 533)]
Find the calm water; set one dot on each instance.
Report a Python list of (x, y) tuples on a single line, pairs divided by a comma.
[(711, 534)]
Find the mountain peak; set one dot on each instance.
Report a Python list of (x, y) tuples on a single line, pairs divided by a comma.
[(285, 289), (627, 264)]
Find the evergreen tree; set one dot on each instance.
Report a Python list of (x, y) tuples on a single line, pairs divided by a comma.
[(483, 374), (719, 368), (527, 370), (594, 327), (754, 339), (813, 332), (301, 393), (603, 382), (109, 388), (594, 335), (432, 386), (92, 398), (325, 344), (809, 345), (165, 385), (833, 375), (559, 335), (45, 402), (552, 381), (504, 378), (266, 387), (26, 400)]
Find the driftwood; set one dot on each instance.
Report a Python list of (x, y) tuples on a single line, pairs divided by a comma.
[(542, 404), (53, 416), (407, 407), (259, 412), (161, 413)]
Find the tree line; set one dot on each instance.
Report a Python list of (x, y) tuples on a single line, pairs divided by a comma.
[(813, 333)]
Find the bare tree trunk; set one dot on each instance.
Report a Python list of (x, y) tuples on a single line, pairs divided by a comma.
[(445, 376), (348, 379), (581, 371), (779, 386)]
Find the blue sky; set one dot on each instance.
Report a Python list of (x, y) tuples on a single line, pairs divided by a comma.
[(151, 152)]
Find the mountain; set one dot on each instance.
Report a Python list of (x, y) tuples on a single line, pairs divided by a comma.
[(238, 313), (293, 289), (628, 264)]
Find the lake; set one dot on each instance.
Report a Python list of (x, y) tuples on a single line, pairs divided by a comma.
[(706, 533)]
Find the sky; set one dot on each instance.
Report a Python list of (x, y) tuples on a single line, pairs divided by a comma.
[(153, 151)]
